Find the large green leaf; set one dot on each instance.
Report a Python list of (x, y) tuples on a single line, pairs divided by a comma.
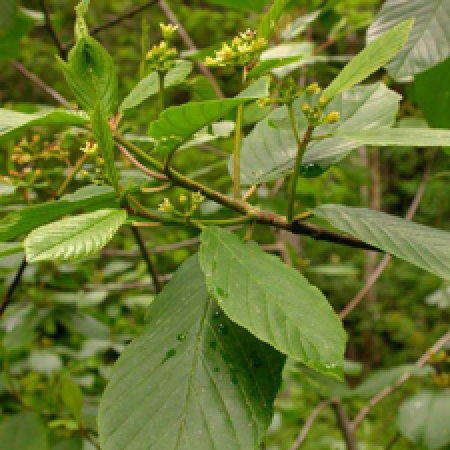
[(272, 300), (422, 246), (103, 136), (424, 418), (10, 35), (432, 92), (91, 75), (369, 60), (75, 237), (415, 137), (429, 40), (149, 85), (23, 432), (179, 123), (12, 123), (193, 379), (30, 217), (269, 153)]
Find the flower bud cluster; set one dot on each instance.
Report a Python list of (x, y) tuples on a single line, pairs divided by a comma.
[(161, 58), (168, 31), (315, 114), (243, 51), (441, 363), (189, 204)]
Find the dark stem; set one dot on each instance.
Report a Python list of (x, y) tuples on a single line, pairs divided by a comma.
[(150, 266), (9, 293), (344, 424), (51, 29)]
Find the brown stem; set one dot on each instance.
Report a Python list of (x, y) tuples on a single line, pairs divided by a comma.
[(150, 266), (116, 20), (38, 82), (9, 293), (190, 44), (51, 30), (406, 375), (345, 426)]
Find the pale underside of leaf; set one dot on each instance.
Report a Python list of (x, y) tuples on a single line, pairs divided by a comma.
[(273, 301), (192, 380), (429, 40), (75, 237), (422, 246)]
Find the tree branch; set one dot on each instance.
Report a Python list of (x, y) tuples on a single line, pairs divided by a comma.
[(406, 375), (116, 20), (150, 266), (190, 44), (9, 293), (372, 279), (345, 425), (51, 29)]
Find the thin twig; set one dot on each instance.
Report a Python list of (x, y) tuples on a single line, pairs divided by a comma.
[(190, 44), (387, 258), (310, 421), (38, 82), (405, 376), (150, 266), (116, 20), (345, 426), (51, 30)]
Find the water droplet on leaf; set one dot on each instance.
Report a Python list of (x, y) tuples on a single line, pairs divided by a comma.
[(312, 170)]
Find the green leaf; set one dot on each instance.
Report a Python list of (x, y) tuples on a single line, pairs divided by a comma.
[(269, 153), (272, 300), (91, 75), (268, 64), (7, 189), (7, 17), (428, 42), (76, 443), (381, 379), (247, 5), (8, 248), (270, 19), (103, 136), (407, 137), (423, 418), (75, 237), (432, 92), (149, 85), (178, 123), (193, 376), (23, 432), (10, 39), (72, 398), (30, 217), (422, 246), (12, 123), (369, 60)]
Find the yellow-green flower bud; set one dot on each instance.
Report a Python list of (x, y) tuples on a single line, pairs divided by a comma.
[(306, 108), (166, 206), (323, 101), (90, 148), (168, 31), (313, 88), (333, 117), (183, 198), (197, 197)]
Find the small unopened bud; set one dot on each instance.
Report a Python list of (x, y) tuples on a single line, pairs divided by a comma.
[(183, 198), (90, 148), (333, 117), (197, 197), (306, 108), (168, 30), (322, 100), (313, 88), (166, 206)]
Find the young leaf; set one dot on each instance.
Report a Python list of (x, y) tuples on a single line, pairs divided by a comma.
[(91, 75), (12, 123), (149, 85), (178, 123), (75, 237), (422, 246), (272, 300), (193, 376), (369, 60), (103, 136), (428, 42), (72, 398), (423, 418), (269, 153), (415, 137), (23, 432), (30, 217), (270, 19), (299, 25)]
